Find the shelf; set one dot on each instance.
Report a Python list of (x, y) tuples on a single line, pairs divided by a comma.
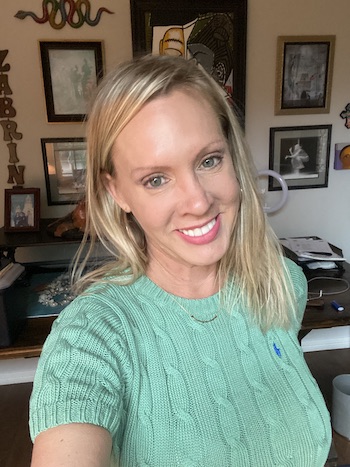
[(30, 341), (12, 240)]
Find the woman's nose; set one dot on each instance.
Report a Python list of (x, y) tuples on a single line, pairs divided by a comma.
[(194, 196)]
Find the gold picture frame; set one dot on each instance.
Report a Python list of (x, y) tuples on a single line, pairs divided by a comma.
[(304, 74)]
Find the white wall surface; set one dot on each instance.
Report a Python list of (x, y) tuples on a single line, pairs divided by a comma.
[(321, 211)]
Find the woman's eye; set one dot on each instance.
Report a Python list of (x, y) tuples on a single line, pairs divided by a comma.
[(210, 162), (154, 182)]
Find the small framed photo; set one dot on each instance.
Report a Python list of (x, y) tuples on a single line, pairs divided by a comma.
[(304, 74), (301, 155), (64, 167), (22, 210), (71, 72)]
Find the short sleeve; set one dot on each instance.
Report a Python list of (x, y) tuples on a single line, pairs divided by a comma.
[(81, 374), (299, 284)]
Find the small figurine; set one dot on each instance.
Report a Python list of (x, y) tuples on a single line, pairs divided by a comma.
[(345, 114), (70, 226)]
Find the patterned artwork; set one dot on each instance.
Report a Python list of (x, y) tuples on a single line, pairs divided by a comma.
[(55, 12), (207, 39)]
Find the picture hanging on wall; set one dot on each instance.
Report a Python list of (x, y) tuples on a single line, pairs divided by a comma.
[(342, 156), (71, 71), (64, 167), (304, 74), (212, 33), (301, 155), (22, 209)]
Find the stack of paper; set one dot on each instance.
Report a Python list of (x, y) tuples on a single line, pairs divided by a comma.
[(311, 249)]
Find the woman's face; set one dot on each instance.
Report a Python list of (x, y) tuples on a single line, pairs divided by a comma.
[(173, 171)]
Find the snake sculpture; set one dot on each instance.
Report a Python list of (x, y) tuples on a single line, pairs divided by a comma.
[(75, 16)]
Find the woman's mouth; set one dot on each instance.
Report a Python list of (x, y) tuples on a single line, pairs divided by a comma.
[(204, 234), (199, 231)]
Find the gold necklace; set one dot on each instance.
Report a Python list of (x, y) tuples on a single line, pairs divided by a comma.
[(192, 316)]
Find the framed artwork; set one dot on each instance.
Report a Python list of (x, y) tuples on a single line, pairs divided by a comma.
[(64, 167), (71, 71), (342, 156), (22, 209), (210, 32), (301, 155), (304, 74)]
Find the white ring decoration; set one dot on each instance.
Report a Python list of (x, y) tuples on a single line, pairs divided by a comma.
[(284, 186)]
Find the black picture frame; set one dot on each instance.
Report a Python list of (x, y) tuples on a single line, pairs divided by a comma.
[(71, 70), (304, 74), (22, 210), (301, 155), (64, 162), (228, 44)]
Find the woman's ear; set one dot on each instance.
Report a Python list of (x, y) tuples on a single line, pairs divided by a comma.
[(111, 186)]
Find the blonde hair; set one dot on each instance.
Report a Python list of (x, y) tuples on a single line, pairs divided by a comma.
[(253, 258)]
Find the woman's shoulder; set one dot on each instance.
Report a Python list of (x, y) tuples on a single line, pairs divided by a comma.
[(296, 273), (97, 322), (104, 300), (299, 284)]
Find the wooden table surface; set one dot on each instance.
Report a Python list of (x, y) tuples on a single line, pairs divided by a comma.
[(325, 316), (29, 342)]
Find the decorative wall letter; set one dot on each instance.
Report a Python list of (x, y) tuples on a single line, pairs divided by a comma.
[(7, 111)]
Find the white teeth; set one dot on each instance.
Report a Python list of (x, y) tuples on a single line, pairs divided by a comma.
[(199, 231)]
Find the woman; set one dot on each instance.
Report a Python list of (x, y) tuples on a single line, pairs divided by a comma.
[(184, 350)]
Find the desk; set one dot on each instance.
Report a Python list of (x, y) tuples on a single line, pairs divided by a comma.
[(328, 317), (10, 241), (30, 341)]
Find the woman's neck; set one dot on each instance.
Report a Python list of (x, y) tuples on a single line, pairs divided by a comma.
[(184, 281)]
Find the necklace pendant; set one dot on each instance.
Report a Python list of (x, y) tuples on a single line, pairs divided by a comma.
[(204, 320)]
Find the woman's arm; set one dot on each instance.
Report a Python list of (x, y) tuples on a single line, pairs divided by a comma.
[(73, 445)]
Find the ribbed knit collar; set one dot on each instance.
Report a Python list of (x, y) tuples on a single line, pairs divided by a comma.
[(203, 308)]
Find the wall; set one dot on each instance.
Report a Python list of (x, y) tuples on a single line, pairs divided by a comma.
[(321, 211), (21, 38)]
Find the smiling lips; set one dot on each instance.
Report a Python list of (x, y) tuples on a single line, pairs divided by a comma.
[(201, 235)]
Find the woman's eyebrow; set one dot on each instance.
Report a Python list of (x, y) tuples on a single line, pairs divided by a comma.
[(138, 171), (215, 146)]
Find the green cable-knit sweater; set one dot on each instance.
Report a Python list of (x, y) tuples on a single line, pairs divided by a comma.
[(176, 392)]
